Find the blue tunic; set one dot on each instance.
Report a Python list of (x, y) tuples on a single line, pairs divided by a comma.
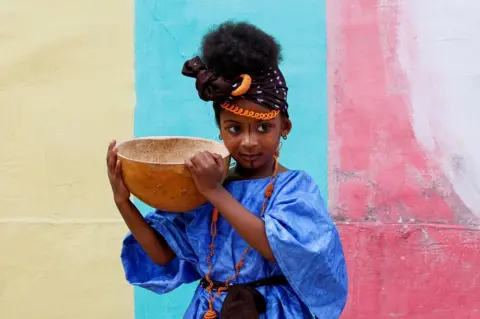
[(303, 238)]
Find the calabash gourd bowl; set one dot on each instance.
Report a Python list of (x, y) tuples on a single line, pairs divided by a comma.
[(153, 170)]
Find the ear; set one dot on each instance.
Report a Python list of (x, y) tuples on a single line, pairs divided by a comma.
[(286, 126)]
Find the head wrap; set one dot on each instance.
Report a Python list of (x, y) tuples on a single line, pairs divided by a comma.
[(268, 88)]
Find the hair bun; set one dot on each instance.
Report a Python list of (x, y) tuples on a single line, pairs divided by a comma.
[(234, 48)]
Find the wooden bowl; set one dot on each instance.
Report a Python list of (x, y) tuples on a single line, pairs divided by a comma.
[(154, 171)]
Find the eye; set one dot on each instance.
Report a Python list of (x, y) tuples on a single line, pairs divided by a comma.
[(264, 128), (234, 129)]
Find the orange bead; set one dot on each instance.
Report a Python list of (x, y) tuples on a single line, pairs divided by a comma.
[(269, 190), (210, 314), (244, 85)]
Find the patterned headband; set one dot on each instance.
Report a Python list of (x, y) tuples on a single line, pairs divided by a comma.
[(267, 89)]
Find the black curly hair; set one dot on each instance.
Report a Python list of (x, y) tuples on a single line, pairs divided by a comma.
[(234, 48)]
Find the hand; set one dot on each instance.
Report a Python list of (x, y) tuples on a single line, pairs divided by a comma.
[(120, 192), (207, 171)]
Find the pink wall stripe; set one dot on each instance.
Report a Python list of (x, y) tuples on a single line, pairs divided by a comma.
[(412, 245)]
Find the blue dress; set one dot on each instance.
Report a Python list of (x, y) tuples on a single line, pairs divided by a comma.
[(303, 238)]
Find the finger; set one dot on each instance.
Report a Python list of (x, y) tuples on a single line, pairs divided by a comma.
[(220, 163), (109, 150), (208, 159), (112, 160), (118, 169), (198, 160), (219, 160), (191, 166)]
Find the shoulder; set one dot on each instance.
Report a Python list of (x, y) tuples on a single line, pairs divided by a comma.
[(297, 182), (297, 193)]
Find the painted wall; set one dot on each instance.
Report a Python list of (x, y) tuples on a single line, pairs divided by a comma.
[(403, 157), (393, 149), (66, 89)]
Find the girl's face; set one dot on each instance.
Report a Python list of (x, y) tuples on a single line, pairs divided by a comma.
[(252, 143)]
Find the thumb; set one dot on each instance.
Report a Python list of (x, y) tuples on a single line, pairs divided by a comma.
[(219, 160)]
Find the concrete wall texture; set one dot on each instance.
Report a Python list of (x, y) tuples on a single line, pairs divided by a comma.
[(382, 96), (66, 89)]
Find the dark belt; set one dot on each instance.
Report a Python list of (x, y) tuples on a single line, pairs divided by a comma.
[(271, 281)]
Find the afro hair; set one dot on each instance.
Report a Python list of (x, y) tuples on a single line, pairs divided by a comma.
[(234, 48)]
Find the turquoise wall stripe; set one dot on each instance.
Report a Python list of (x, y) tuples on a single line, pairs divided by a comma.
[(168, 32)]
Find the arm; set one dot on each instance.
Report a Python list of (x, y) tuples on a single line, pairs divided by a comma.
[(151, 241), (249, 226), (207, 170)]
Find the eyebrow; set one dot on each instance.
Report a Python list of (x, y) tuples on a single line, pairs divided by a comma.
[(231, 121), (237, 122)]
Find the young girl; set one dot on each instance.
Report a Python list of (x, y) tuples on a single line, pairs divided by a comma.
[(264, 245)]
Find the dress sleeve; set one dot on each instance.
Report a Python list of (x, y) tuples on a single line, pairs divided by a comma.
[(308, 250), (141, 271)]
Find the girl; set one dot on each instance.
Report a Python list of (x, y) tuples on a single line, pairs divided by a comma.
[(264, 245)]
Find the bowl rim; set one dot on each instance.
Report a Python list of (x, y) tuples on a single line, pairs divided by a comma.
[(224, 156)]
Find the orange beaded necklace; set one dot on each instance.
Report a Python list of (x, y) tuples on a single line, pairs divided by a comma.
[(211, 314)]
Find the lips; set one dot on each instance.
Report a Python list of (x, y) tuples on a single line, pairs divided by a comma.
[(250, 157)]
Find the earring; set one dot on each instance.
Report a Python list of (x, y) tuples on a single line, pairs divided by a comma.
[(284, 136), (220, 137)]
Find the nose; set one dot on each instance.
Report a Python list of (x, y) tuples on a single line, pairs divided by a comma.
[(249, 140)]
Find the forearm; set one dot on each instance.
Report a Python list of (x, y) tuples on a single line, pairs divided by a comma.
[(249, 226), (151, 241)]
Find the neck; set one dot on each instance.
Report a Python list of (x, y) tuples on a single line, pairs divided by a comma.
[(265, 170)]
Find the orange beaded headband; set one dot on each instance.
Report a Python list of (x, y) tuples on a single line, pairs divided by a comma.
[(254, 115)]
